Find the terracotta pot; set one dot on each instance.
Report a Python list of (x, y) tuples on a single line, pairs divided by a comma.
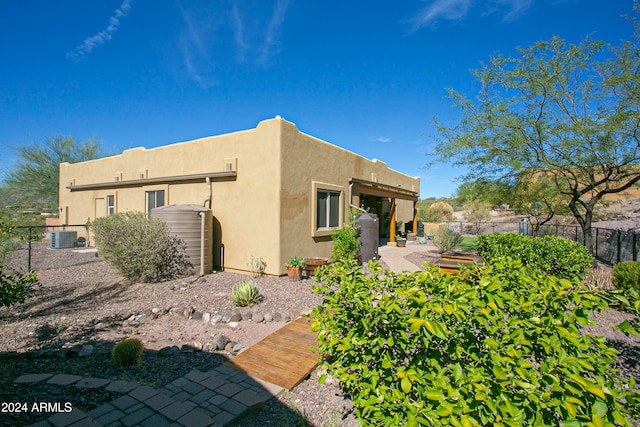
[(313, 263), (401, 243), (294, 273)]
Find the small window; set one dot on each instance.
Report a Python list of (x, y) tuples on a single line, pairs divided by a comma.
[(155, 199), (111, 205), (328, 209)]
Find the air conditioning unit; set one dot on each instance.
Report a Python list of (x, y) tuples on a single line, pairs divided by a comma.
[(63, 239)]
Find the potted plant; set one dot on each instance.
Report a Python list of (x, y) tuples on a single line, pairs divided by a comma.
[(401, 242), (295, 265)]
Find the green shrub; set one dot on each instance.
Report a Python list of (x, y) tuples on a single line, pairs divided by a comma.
[(14, 288), (496, 345), (446, 239), (346, 242), (127, 353), (245, 293), (551, 255), (626, 276), (141, 249)]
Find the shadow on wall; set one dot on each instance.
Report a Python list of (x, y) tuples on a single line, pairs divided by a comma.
[(218, 247)]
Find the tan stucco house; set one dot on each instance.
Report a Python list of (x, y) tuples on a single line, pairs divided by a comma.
[(274, 191)]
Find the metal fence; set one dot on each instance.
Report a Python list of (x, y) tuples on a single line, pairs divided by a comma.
[(610, 246), (27, 234)]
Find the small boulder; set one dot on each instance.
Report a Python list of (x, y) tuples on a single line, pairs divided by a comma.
[(268, 317), (236, 317), (206, 318), (277, 317), (169, 351), (233, 325), (258, 318), (220, 342), (216, 319)]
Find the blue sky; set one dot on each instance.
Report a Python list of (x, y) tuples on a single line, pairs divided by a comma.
[(367, 76)]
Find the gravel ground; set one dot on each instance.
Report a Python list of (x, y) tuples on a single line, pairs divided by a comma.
[(83, 301)]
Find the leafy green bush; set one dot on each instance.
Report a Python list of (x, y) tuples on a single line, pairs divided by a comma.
[(496, 345), (141, 249), (446, 239), (245, 293), (626, 275), (127, 353), (14, 288), (550, 255), (346, 242)]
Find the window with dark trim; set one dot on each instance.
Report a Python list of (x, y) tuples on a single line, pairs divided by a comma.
[(155, 199), (327, 209)]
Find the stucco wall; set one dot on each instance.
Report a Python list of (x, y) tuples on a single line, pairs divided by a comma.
[(246, 209), (305, 160), (265, 211)]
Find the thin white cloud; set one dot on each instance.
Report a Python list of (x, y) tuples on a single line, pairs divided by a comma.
[(455, 10), (238, 31), (101, 37), (383, 139), (276, 21), (441, 9)]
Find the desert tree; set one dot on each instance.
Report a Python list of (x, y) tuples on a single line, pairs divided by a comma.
[(33, 179), (568, 112)]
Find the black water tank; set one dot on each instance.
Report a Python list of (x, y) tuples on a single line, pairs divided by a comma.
[(369, 236)]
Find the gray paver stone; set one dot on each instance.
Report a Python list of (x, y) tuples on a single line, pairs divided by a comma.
[(249, 398), (218, 400), (180, 382), (157, 421), (124, 402), (92, 383), (229, 389), (159, 401), (121, 386), (43, 423), (137, 417), (86, 422), (192, 388), (182, 396), (64, 419), (101, 410), (32, 378), (226, 370), (195, 418), (142, 393), (213, 383), (234, 407), (110, 417), (202, 396), (134, 408), (64, 379), (175, 410), (196, 375), (222, 418)]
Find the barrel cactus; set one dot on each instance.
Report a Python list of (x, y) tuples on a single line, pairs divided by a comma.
[(127, 352)]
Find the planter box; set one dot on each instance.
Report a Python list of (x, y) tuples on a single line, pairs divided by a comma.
[(313, 263)]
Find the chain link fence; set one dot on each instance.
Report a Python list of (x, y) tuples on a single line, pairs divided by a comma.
[(611, 246)]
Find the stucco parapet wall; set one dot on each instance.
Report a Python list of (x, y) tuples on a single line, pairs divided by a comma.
[(157, 180)]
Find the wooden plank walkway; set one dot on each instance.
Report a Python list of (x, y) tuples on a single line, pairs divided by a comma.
[(282, 358)]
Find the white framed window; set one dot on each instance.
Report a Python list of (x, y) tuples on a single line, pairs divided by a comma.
[(155, 199), (327, 208), (111, 204)]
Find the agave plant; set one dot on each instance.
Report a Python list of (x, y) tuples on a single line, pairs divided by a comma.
[(245, 293)]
